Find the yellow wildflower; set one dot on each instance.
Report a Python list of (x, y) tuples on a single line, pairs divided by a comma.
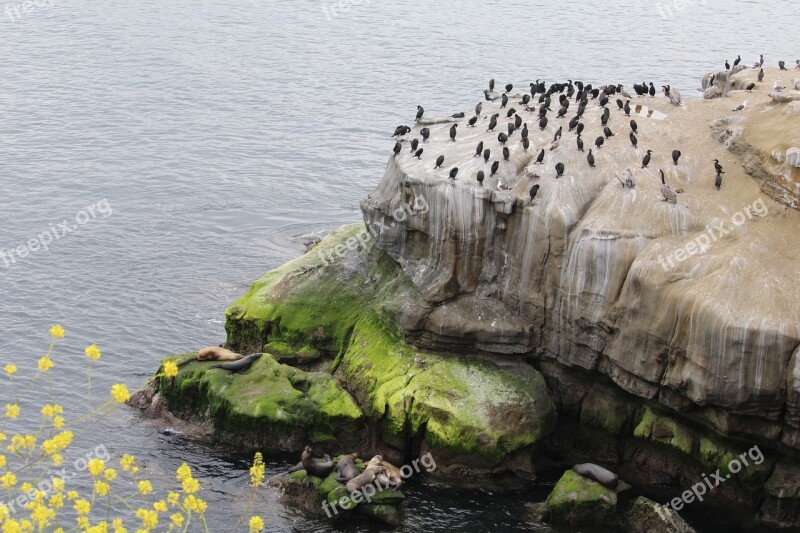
[(92, 352), (48, 411), (10, 369), (170, 369), (177, 519), (45, 364), (127, 462), (12, 410), (57, 459), (110, 474), (184, 472), (256, 524), (160, 506), (120, 393), (257, 470), (56, 501), (57, 332), (57, 409), (58, 484), (82, 507), (95, 467), (118, 526), (101, 488), (72, 495), (190, 486), (145, 487), (149, 518), (172, 498), (58, 422), (8, 480), (3, 461), (83, 522)]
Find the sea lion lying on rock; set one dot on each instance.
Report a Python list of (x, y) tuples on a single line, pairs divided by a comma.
[(215, 353), (346, 468), (392, 473), (369, 475), (240, 365), (603, 476)]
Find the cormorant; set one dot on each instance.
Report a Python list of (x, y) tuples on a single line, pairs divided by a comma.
[(439, 161), (646, 159), (559, 170), (590, 158)]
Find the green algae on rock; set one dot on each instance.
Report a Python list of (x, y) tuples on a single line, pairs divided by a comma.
[(576, 501)]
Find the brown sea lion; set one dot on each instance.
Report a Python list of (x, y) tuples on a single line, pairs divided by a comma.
[(365, 478), (315, 467), (346, 468), (392, 472), (215, 353)]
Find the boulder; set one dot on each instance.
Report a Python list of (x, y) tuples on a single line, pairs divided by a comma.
[(578, 501), (646, 516)]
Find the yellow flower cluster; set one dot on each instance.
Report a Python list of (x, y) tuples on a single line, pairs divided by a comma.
[(42, 505)]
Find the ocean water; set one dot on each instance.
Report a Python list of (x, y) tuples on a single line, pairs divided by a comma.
[(192, 146)]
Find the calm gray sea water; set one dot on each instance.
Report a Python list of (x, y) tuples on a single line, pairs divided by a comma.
[(220, 135)]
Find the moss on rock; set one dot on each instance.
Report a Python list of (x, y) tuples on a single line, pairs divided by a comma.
[(665, 431), (576, 500)]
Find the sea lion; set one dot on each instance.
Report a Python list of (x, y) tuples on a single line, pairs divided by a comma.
[(395, 477), (240, 365), (346, 468), (315, 467), (215, 353), (365, 478), (598, 473)]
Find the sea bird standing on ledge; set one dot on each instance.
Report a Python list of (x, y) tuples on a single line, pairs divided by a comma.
[(646, 160)]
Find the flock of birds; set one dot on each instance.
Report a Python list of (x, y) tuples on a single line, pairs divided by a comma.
[(565, 94)]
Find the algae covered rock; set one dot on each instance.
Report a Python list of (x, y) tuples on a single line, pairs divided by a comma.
[(271, 406), (576, 501), (470, 414), (646, 516)]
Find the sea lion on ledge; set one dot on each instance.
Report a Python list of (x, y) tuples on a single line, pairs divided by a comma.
[(393, 474), (315, 467), (215, 353), (241, 365), (346, 468), (603, 476), (365, 478)]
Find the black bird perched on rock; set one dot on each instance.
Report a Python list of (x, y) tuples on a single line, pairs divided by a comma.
[(480, 177), (627, 108), (607, 132), (760, 75), (420, 112), (503, 138), (506, 152), (738, 60), (401, 130), (604, 119), (453, 173), (508, 88), (524, 131), (619, 103), (603, 100), (559, 170), (439, 161), (491, 84), (634, 140), (397, 148), (646, 160), (580, 144), (750, 87), (471, 122), (543, 123), (590, 158), (573, 123), (579, 128), (557, 136), (486, 95), (418, 153), (425, 132), (453, 132), (458, 115), (510, 112), (599, 141), (511, 129), (479, 149), (717, 166), (781, 65), (525, 143), (540, 157), (478, 109), (534, 190), (562, 112), (486, 154), (676, 154), (503, 101), (718, 180), (727, 65), (414, 145), (525, 99), (634, 126), (652, 90), (517, 122), (495, 166), (493, 122)]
